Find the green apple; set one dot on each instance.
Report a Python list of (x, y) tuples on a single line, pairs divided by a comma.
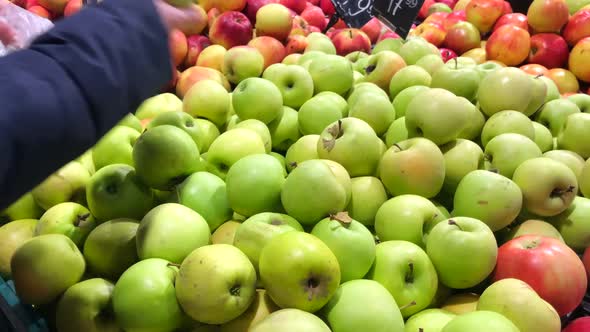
[(318, 42), (299, 271), (215, 284), (372, 105), (86, 306), (406, 77), (242, 62), (487, 67), (144, 298), (282, 161), (507, 88), (367, 195), (23, 208), (164, 156), (254, 185), (70, 219), (225, 233), (363, 305), (463, 250), (209, 132), (481, 321), (171, 231), (518, 302), (258, 127), (572, 224), (44, 267), (115, 147), (381, 67), (308, 56), (397, 132), (507, 122), (67, 184), (110, 248), (581, 100), (131, 121), (548, 186), (584, 181), (313, 190), (248, 96), (568, 158), (284, 130), (405, 96), (182, 120), (406, 218), (414, 166), (320, 111), (252, 235), (539, 94), (552, 90), (474, 126), (408, 274), (206, 194), (12, 236), (461, 81), (290, 320), (338, 232), (505, 152), (347, 139), (576, 5), (462, 62), (554, 114), (356, 56), (331, 73), (261, 307), (294, 82), (461, 303), (543, 137), (437, 115), (292, 59), (115, 191), (415, 48), (430, 62), (575, 134), (532, 227), (487, 196), (461, 157), (305, 148), (429, 320), (389, 44), (232, 146), (164, 102)]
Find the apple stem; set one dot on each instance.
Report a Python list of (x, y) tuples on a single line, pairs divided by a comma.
[(342, 217), (173, 264), (559, 192), (410, 274), (420, 329), (454, 223), (81, 219), (456, 63), (293, 164), (540, 75), (407, 305), (397, 146), (369, 69)]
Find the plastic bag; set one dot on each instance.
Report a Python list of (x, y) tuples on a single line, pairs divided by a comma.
[(26, 26)]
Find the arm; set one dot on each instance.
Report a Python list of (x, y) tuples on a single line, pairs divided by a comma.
[(59, 96)]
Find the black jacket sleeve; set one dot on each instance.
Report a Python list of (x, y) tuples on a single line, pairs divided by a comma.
[(74, 83)]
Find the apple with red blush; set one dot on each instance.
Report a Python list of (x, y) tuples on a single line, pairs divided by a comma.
[(327, 7), (484, 13), (271, 49), (432, 32), (509, 44), (296, 44), (577, 27), (447, 54), (462, 37), (178, 46), (372, 29), (295, 5), (231, 29), (424, 10), (581, 324), (314, 16), (454, 18), (351, 40), (517, 19), (196, 44), (252, 7), (549, 50), (437, 17)]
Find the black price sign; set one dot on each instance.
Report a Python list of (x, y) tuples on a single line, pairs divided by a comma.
[(399, 15), (355, 13)]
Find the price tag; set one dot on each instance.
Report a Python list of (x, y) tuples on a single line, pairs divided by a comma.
[(399, 15), (355, 13)]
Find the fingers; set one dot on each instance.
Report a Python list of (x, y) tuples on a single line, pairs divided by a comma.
[(188, 20)]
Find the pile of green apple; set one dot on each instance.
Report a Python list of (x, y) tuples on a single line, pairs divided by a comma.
[(369, 192)]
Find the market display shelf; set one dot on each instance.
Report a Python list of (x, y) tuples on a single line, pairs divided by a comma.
[(16, 316)]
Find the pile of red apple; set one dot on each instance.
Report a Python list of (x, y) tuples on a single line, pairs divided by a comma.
[(295, 180)]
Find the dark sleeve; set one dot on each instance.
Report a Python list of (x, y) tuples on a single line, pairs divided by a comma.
[(74, 83)]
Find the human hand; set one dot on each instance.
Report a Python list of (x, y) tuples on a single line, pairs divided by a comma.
[(7, 34), (190, 20)]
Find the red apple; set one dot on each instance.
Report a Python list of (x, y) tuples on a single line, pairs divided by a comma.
[(548, 265), (30, 3), (314, 2), (271, 49), (178, 46), (454, 18), (565, 80), (327, 7), (534, 69), (351, 40), (195, 74), (484, 13), (438, 17), (295, 5), (314, 16), (40, 11), (296, 44), (223, 5), (423, 13), (231, 29), (548, 15), (447, 54), (252, 7), (507, 8), (517, 19), (332, 31), (433, 32), (299, 27), (509, 44), (72, 7), (196, 44), (549, 50), (388, 35), (212, 15), (586, 261), (579, 60), (372, 29), (581, 324), (577, 27), (462, 37)]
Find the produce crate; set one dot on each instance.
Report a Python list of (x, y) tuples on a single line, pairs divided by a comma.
[(16, 316)]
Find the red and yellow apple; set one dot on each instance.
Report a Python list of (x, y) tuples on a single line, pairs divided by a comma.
[(351, 40), (433, 32), (462, 37), (509, 44), (484, 13), (196, 44), (296, 44), (548, 15), (195, 74), (372, 29), (212, 57), (274, 20), (223, 5), (178, 46), (453, 18), (271, 49), (579, 60), (517, 19), (565, 80), (231, 29), (314, 16), (577, 27), (534, 69)]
